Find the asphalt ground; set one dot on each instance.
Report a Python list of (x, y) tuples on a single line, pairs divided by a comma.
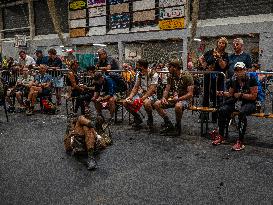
[(139, 168)]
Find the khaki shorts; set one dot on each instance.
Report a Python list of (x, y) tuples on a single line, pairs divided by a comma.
[(171, 104)]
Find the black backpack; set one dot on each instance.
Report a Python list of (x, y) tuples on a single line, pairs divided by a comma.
[(121, 85)]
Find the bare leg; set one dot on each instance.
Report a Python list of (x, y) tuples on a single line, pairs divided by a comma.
[(19, 98), (149, 109), (112, 106), (159, 109)]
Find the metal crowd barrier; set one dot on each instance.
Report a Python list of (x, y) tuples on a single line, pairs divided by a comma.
[(206, 85), (11, 76), (86, 80)]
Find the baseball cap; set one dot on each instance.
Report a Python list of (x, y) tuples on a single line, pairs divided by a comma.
[(239, 65), (38, 51)]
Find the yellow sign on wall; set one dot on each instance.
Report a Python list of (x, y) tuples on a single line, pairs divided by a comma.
[(77, 5), (170, 24)]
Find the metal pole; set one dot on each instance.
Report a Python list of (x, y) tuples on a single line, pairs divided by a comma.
[(31, 19)]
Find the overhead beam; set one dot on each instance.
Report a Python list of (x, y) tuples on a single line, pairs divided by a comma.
[(14, 3)]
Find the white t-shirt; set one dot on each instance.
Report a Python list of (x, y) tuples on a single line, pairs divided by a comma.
[(164, 76), (25, 81), (28, 61), (146, 81)]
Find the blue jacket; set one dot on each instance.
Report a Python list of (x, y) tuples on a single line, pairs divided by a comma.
[(109, 86)]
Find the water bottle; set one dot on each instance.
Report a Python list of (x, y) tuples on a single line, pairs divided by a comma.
[(238, 105), (258, 107)]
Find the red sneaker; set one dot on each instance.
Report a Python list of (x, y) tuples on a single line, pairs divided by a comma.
[(218, 140), (238, 146), (213, 134)]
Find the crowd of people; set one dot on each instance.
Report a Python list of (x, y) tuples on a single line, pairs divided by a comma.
[(156, 88)]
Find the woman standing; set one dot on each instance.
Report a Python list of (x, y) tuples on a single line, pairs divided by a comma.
[(58, 80), (214, 60)]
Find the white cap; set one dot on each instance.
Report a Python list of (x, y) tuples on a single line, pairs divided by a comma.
[(239, 65)]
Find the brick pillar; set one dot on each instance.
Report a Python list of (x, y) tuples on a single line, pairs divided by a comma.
[(185, 53), (121, 52), (1, 28), (266, 48), (31, 19)]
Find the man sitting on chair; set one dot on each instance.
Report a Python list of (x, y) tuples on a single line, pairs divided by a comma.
[(143, 92), (104, 96), (243, 90), (42, 86), (178, 94), (23, 83)]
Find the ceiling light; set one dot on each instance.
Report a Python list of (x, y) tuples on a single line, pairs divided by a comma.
[(197, 39), (99, 44)]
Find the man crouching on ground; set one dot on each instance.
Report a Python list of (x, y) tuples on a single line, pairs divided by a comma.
[(82, 128)]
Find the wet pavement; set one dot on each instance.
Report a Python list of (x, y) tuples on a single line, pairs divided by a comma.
[(139, 168)]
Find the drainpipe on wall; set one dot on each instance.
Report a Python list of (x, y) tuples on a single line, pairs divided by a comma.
[(194, 20), (56, 20), (121, 52), (1, 28), (31, 19)]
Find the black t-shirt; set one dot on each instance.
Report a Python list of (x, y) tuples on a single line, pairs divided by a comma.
[(109, 61), (244, 88), (213, 62), (56, 62)]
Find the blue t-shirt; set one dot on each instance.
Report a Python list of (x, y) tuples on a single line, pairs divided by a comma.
[(43, 60), (109, 86), (43, 78), (233, 59)]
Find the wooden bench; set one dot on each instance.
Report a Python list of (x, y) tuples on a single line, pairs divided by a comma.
[(203, 116), (258, 115)]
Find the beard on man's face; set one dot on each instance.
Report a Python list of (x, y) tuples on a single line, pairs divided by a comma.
[(241, 76)]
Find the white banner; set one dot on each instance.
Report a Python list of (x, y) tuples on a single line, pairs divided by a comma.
[(20, 40), (171, 12), (97, 11)]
